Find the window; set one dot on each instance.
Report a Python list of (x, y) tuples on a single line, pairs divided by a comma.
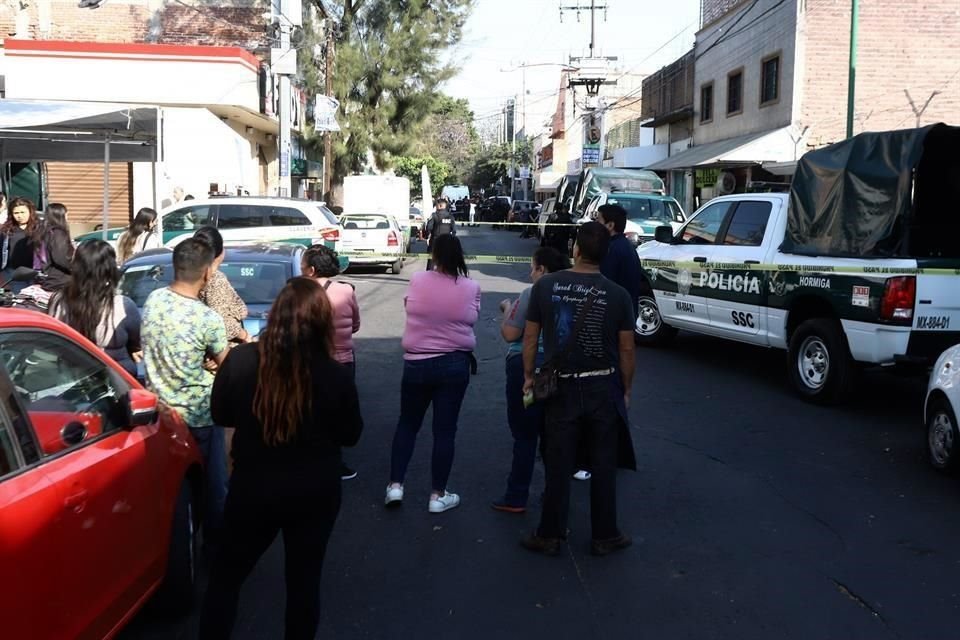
[(706, 102), (9, 460), (70, 396), (288, 217), (705, 227), (748, 224), (257, 282), (140, 281), (735, 92), (187, 218), (328, 215), (770, 80), (241, 216)]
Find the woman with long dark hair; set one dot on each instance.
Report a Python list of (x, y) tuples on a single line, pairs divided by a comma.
[(53, 248), (438, 342), (139, 236), (293, 407), (90, 304), (525, 422), (20, 225)]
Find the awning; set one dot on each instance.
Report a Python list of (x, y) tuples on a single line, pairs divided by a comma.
[(547, 181), (36, 130), (756, 148)]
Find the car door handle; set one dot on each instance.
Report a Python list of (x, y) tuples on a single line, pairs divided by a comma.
[(700, 259), (76, 501)]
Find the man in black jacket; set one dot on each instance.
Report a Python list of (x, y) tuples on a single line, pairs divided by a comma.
[(440, 223), (621, 264)]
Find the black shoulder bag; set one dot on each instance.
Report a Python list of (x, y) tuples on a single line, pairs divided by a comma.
[(546, 381)]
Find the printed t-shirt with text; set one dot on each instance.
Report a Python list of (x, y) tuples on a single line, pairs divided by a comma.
[(177, 333), (556, 300)]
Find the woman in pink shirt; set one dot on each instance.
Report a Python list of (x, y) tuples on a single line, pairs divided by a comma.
[(321, 264), (442, 307)]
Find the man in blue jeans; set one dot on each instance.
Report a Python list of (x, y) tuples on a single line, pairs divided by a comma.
[(178, 332), (587, 324)]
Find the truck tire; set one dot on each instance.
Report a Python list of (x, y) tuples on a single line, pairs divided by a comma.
[(177, 593), (943, 438), (821, 368), (650, 330)]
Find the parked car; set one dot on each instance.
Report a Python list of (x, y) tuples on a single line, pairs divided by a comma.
[(247, 219), (546, 215), (495, 209), (645, 212), (257, 271), (99, 490), (416, 222), (940, 412), (374, 234)]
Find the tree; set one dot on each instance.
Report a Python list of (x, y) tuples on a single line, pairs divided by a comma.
[(448, 134), (411, 167), (493, 162), (387, 68)]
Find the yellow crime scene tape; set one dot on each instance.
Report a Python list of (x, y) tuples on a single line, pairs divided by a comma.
[(467, 223), (694, 266)]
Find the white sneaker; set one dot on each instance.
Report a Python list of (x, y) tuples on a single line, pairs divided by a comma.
[(444, 503), (394, 496), (583, 474)]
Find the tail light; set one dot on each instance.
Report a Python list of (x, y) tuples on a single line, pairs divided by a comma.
[(392, 240), (898, 298), (331, 235), (633, 237)]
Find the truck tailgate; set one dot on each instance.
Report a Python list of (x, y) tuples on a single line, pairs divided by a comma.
[(936, 321)]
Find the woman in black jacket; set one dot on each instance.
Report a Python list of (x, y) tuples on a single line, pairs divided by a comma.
[(293, 407), (15, 247), (52, 248)]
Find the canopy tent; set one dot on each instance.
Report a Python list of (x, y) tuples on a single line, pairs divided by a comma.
[(37, 130)]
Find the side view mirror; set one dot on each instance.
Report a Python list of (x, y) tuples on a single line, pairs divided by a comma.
[(663, 234), (141, 408)]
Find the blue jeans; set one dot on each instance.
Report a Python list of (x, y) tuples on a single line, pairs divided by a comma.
[(525, 425), (442, 381), (213, 449)]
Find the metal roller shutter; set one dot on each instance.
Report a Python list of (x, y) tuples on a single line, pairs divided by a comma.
[(79, 186)]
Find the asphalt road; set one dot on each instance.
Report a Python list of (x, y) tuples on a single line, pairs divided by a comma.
[(760, 516)]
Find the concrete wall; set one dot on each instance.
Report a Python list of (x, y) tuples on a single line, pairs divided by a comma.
[(742, 39)]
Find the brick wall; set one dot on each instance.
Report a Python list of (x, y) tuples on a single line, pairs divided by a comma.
[(913, 46), (139, 21)]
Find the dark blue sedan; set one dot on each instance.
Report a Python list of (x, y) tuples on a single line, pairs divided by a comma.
[(257, 271)]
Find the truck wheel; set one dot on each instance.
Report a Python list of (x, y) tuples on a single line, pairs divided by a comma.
[(821, 368), (943, 439), (177, 592), (650, 329)]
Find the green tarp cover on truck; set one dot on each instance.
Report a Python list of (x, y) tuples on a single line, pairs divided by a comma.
[(887, 194)]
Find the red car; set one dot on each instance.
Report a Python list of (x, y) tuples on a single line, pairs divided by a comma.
[(99, 488)]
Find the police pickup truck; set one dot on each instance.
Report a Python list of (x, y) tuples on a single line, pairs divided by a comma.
[(859, 263)]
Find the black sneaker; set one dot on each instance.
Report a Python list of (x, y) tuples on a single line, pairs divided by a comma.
[(546, 546), (346, 473), (606, 547)]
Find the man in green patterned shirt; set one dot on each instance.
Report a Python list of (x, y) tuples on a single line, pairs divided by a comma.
[(178, 332)]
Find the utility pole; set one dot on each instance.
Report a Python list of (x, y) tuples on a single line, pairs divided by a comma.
[(592, 8), (513, 150), (328, 90), (526, 159), (852, 71), (283, 60)]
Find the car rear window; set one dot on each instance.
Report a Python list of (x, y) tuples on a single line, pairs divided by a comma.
[(665, 211), (328, 215), (257, 282), (139, 281), (366, 222)]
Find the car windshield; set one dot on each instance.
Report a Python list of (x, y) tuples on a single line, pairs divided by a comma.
[(255, 282), (665, 211)]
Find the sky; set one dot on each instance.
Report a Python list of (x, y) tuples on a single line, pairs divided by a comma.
[(501, 35)]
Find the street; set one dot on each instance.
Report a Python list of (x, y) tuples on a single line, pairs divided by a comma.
[(754, 515)]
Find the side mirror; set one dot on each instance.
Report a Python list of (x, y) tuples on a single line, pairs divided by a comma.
[(664, 234), (141, 408)]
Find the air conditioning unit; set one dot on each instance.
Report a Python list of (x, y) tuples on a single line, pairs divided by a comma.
[(726, 183)]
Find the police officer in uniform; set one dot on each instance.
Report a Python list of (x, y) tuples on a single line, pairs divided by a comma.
[(440, 223)]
